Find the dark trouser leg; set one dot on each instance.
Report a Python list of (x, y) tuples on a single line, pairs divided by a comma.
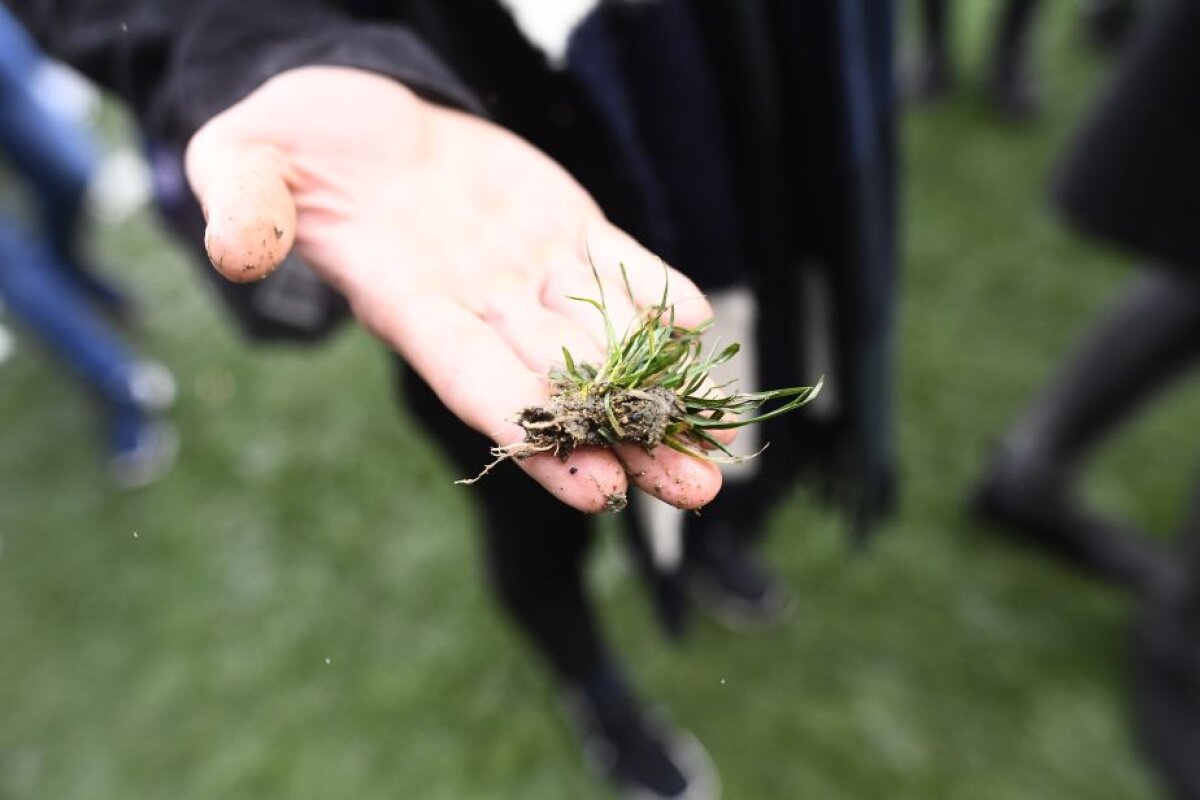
[(534, 545), (936, 68), (537, 570), (934, 14), (727, 581), (535, 550), (1011, 82), (1150, 337), (1012, 34)]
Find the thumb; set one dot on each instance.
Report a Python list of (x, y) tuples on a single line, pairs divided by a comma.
[(248, 208)]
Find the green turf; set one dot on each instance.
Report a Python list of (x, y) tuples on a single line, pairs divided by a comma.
[(297, 613)]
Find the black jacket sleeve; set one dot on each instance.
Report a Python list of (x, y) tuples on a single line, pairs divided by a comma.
[(181, 62)]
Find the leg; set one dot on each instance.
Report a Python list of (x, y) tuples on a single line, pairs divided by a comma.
[(535, 549), (722, 573), (1150, 338), (534, 546), (55, 158), (37, 294), (1147, 341), (708, 557), (1011, 83), (725, 577), (936, 71)]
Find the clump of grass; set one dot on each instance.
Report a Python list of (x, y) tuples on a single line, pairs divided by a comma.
[(652, 388)]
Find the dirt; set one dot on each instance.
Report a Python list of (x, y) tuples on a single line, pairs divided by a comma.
[(569, 421), (615, 503)]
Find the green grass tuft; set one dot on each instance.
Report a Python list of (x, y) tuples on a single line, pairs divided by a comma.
[(657, 353)]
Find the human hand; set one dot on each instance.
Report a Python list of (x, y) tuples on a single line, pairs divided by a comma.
[(454, 241)]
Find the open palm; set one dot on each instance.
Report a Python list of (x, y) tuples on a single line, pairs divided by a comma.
[(455, 242)]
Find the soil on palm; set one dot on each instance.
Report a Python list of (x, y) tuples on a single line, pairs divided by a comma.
[(568, 421)]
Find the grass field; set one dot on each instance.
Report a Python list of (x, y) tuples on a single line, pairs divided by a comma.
[(296, 612)]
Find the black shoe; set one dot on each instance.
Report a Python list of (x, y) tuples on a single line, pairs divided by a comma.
[(1027, 502), (728, 583), (1166, 691), (641, 754)]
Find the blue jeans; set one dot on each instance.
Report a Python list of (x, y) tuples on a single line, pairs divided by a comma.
[(37, 293), (42, 281), (53, 156)]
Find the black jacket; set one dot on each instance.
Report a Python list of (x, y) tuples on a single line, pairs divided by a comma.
[(180, 62), (784, 176)]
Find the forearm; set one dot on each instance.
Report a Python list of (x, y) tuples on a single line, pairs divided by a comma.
[(180, 62)]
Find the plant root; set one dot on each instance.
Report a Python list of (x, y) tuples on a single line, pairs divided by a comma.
[(569, 421)]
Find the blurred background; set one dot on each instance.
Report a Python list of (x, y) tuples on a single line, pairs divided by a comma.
[(296, 610)]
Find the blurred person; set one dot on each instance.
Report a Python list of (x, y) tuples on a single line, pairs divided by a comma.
[(1132, 179), (807, 93), (1010, 84), (47, 285), (1145, 342), (380, 142), (462, 301), (1134, 186)]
